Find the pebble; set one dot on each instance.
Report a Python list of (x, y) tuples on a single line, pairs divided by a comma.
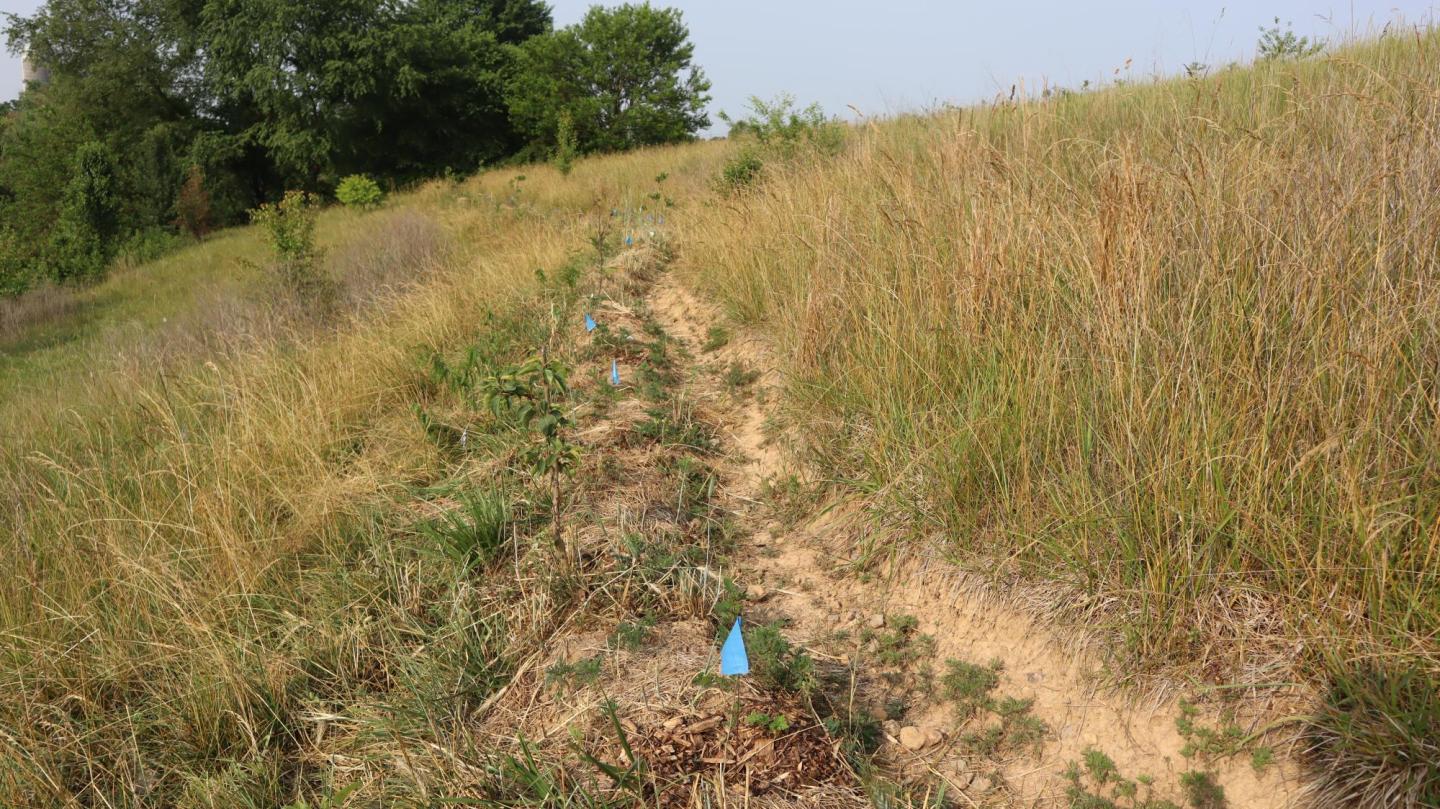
[(876, 621), (981, 784), (912, 738), (933, 736), (755, 593)]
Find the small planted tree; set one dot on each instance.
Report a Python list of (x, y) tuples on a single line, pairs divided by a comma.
[(290, 225), (532, 394), (566, 146)]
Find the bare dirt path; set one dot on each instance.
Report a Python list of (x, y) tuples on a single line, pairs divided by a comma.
[(808, 574)]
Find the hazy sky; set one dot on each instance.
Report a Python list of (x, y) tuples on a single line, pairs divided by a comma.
[(884, 57)]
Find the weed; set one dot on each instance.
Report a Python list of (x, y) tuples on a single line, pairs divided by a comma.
[(585, 671), (632, 635), (969, 686), (776, 664), (738, 377), (774, 724), (716, 338), (1201, 790)]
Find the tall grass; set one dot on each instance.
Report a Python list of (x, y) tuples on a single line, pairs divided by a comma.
[(212, 553), (1174, 345)]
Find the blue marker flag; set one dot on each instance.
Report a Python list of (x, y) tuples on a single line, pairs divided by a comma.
[(733, 659), (614, 372), (589, 323), (629, 240)]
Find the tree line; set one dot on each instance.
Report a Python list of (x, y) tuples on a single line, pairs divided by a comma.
[(168, 116)]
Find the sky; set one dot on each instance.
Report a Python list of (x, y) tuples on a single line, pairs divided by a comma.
[(902, 55)]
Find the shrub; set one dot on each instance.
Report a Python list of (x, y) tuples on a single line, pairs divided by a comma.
[(784, 130), (566, 145), (781, 132), (740, 171), (1276, 43), (192, 207), (83, 241), (359, 191), (147, 245), (290, 224)]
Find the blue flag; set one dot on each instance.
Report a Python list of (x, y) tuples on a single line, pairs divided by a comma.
[(733, 659), (629, 240), (589, 323), (614, 372)]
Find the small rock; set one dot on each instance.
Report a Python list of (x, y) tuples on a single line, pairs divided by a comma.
[(1035, 677), (852, 615), (876, 621), (755, 593), (912, 738), (933, 736), (981, 785), (958, 777)]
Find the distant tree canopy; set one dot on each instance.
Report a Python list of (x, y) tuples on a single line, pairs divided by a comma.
[(622, 78), (255, 97)]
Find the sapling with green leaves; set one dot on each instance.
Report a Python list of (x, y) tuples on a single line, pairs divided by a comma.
[(532, 394)]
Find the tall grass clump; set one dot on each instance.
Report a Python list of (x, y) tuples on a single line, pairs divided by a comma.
[(1171, 346)]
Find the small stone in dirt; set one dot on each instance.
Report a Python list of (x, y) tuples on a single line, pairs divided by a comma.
[(876, 621), (755, 593), (981, 785), (933, 736), (1035, 677), (912, 738)]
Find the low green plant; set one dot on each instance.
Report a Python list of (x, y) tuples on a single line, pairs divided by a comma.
[(1202, 791), (474, 533), (1096, 783), (775, 663), (775, 724), (359, 191), (969, 686), (738, 377), (585, 671), (716, 338), (632, 635)]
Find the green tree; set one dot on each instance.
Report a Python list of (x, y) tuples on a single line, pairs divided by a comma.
[(84, 239), (625, 77)]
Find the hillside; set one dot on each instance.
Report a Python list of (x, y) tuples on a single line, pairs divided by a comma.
[(1079, 451)]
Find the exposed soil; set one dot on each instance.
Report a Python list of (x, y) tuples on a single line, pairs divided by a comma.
[(807, 576)]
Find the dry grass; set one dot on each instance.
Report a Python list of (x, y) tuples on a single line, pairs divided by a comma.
[(1174, 345)]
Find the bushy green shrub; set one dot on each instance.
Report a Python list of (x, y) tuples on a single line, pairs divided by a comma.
[(84, 238), (740, 171), (359, 191), (780, 131)]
